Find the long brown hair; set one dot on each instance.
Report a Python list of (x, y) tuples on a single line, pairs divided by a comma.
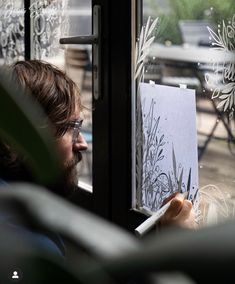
[(53, 89), (57, 94)]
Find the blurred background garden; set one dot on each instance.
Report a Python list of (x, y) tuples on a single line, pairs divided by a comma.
[(170, 12)]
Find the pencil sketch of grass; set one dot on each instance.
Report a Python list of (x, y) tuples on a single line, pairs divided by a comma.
[(175, 177), (153, 185), (141, 52), (153, 180), (157, 184)]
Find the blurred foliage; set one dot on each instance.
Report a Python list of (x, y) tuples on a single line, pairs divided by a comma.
[(171, 11)]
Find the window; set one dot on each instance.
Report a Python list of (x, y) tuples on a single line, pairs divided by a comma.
[(50, 21), (33, 29), (184, 52), (11, 31)]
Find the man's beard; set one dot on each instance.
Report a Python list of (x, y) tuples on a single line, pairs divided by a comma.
[(17, 168), (68, 181)]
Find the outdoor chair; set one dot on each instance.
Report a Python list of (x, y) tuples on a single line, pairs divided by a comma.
[(79, 59), (195, 32)]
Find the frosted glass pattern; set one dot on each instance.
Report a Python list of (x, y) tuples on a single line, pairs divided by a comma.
[(11, 31), (49, 24)]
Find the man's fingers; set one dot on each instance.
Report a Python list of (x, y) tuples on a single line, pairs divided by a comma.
[(185, 210), (169, 198), (180, 213), (175, 206)]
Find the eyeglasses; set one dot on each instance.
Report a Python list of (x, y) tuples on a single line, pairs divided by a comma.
[(75, 126)]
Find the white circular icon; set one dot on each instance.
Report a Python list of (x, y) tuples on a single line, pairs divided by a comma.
[(15, 275)]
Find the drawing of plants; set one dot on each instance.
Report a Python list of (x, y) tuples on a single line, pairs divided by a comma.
[(156, 184), (153, 153), (175, 177), (152, 184)]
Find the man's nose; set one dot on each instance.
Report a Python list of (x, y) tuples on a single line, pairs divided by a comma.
[(80, 144)]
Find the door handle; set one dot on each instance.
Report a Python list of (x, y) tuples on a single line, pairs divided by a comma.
[(95, 40)]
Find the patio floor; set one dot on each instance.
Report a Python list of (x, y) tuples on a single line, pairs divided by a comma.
[(217, 165)]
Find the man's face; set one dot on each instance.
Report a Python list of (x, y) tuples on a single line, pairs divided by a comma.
[(70, 147)]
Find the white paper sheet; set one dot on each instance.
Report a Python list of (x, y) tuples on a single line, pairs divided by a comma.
[(170, 160)]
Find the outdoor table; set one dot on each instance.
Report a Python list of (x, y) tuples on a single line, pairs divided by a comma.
[(198, 59)]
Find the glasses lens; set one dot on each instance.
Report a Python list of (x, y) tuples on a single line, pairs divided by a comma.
[(76, 129)]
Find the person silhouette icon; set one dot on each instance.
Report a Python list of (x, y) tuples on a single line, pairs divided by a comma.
[(15, 275)]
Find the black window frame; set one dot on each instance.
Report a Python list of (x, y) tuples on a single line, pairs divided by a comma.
[(112, 116)]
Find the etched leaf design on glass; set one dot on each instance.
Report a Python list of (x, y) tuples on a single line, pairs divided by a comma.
[(224, 90), (49, 23), (141, 52), (142, 47), (12, 31)]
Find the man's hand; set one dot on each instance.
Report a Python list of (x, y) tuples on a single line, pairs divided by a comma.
[(180, 213)]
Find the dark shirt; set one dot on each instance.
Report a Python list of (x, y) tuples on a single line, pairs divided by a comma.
[(49, 241)]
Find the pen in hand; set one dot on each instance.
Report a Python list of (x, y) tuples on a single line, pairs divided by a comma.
[(152, 220)]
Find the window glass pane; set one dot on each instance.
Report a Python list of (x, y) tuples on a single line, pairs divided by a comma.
[(194, 45), (11, 31), (49, 22), (52, 20)]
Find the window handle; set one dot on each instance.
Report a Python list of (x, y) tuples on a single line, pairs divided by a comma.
[(95, 40)]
